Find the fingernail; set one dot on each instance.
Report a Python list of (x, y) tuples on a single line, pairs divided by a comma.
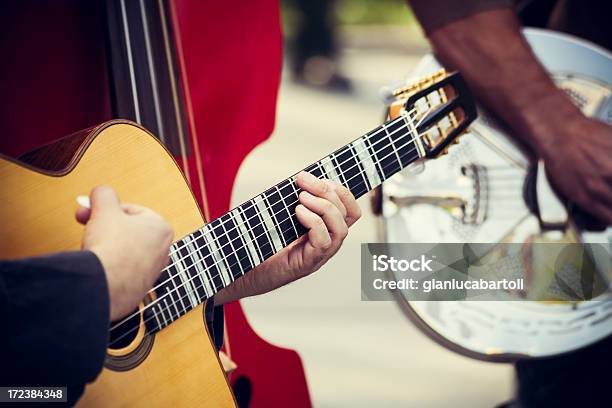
[(305, 195), (307, 177), (83, 201)]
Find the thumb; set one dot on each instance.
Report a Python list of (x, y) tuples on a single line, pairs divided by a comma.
[(104, 199)]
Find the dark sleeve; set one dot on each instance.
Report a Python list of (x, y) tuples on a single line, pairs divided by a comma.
[(55, 316), (577, 379), (433, 14)]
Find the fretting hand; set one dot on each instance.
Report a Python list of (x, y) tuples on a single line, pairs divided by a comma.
[(327, 210)]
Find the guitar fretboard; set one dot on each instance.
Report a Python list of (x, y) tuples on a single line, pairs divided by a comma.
[(228, 247)]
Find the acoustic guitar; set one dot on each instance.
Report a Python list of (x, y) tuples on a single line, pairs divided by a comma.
[(149, 62), (161, 354)]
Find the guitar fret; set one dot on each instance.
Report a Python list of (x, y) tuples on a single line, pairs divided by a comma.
[(166, 285), (203, 289), (250, 240), (237, 232), (359, 169), (163, 316), (295, 196), (328, 166), (176, 281), (366, 163), (388, 134), (210, 263), (173, 303), (372, 155), (282, 213), (337, 169), (418, 143), (270, 227), (157, 321), (179, 272), (316, 170), (320, 169), (235, 252), (220, 261), (291, 196), (181, 267), (352, 176), (274, 203), (384, 152), (285, 192), (187, 262), (167, 309), (257, 229), (402, 143), (194, 270)]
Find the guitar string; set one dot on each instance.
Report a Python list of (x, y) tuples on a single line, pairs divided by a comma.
[(192, 278), (505, 189), (187, 175), (136, 102), (168, 310), (254, 241), (260, 198), (196, 287), (374, 134), (174, 250), (258, 236), (178, 314)]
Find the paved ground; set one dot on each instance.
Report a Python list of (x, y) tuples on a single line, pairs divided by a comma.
[(357, 354)]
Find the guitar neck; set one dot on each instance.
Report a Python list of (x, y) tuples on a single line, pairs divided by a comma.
[(228, 247)]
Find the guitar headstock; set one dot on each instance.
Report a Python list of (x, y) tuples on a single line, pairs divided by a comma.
[(441, 108)]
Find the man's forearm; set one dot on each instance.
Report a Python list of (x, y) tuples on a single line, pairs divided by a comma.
[(505, 75)]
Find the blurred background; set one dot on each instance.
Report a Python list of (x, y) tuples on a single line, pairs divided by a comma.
[(338, 55)]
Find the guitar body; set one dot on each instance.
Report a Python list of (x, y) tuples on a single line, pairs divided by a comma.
[(37, 209)]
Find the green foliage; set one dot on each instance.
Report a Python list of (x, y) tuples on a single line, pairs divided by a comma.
[(394, 12), (355, 12)]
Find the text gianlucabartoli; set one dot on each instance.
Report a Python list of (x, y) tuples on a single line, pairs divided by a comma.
[(384, 263)]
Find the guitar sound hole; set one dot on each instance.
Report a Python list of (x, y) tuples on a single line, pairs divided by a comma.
[(124, 334)]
